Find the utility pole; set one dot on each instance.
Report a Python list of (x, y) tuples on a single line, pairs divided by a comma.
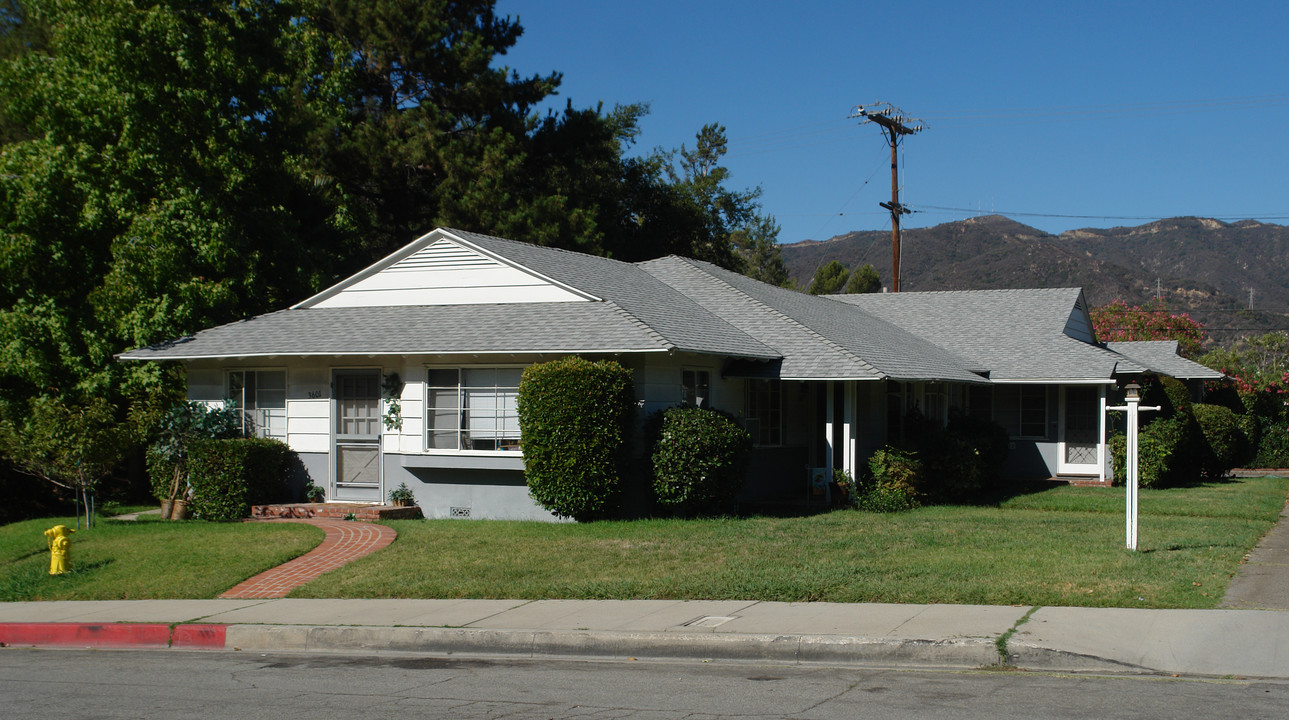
[(894, 124)]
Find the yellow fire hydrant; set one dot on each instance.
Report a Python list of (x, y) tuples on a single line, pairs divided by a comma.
[(60, 549)]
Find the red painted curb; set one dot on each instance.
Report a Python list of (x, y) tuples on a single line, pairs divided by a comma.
[(86, 634), (110, 635), (204, 637)]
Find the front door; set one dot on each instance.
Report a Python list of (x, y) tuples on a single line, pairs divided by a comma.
[(356, 471), (1080, 429)]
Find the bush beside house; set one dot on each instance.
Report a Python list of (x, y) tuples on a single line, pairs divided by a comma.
[(1226, 443), (957, 462), (699, 460), (229, 476), (574, 422), (891, 482), (182, 426), (1188, 441)]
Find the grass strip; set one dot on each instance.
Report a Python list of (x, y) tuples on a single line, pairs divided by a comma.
[(145, 559), (1059, 546)]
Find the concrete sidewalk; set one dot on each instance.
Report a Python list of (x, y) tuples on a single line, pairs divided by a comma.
[(1245, 643)]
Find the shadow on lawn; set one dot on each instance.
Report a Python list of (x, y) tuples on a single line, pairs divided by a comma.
[(993, 496)]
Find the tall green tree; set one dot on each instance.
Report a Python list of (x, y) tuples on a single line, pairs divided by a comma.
[(714, 211), (829, 279), (156, 186), (758, 247), (864, 280), (170, 165)]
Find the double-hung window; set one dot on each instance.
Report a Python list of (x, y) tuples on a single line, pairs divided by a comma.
[(1022, 409), (696, 388), (473, 408), (763, 410), (260, 396)]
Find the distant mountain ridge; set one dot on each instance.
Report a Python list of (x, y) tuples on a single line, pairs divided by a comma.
[(1202, 266)]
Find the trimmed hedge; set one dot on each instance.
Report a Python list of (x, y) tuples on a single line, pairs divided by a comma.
[(574, 423), (1273, 451), (699, 459), (228, 476), (1226, 443)]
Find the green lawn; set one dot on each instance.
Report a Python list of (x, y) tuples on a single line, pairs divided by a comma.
[(1061, 546), (118, 560)]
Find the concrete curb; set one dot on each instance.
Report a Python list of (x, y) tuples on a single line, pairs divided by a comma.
[(827, 649), (1032, 657), (782, 648), (114, 635), (1225, 643)]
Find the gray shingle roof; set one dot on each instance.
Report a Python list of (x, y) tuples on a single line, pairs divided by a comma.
[(680, 304), (817, 337), (640, 314), (1016, 334), (419, 329), (684, 323), (1161, 356)]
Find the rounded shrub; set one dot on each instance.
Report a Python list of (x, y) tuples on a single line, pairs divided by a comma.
[(1227, 444), (699, 459), (574, 422)]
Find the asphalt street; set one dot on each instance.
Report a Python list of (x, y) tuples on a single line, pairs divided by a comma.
[(319, 686)]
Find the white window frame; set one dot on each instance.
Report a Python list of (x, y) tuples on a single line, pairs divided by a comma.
[(461, 430), (690, 397), (258, 421)]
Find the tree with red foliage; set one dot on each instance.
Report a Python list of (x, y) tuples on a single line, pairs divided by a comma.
[(1120, 321)]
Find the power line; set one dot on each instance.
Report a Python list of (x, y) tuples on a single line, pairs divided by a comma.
[(1161, 108), (1279, 215)]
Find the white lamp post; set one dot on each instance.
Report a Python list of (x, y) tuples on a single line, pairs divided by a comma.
[(1133, 407)]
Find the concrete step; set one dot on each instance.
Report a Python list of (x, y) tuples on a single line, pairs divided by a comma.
[(337, 510)]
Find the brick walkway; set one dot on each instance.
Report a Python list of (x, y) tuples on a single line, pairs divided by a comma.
[(346, 540)]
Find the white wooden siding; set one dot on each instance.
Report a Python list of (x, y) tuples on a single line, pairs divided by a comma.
[(308, 427), (445, 273), (1078, 325)]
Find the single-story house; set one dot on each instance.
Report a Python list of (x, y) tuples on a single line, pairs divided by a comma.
[(407, 372)]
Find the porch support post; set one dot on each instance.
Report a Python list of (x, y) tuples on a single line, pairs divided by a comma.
[(849, 432), (829, 450), (1101, 428)]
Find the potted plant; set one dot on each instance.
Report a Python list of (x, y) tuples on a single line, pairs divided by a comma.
[(402, 496), (178, 428), (313, 493)]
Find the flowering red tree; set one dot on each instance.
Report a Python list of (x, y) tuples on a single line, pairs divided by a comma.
[(1120, 321), (1254, 364)]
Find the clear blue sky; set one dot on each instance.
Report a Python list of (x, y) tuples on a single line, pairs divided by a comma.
[(1115, 110)]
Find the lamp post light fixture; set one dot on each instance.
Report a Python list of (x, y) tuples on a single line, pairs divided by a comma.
[(1133, 407)]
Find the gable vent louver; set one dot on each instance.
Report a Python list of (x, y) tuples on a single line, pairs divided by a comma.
[(443, 256)]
